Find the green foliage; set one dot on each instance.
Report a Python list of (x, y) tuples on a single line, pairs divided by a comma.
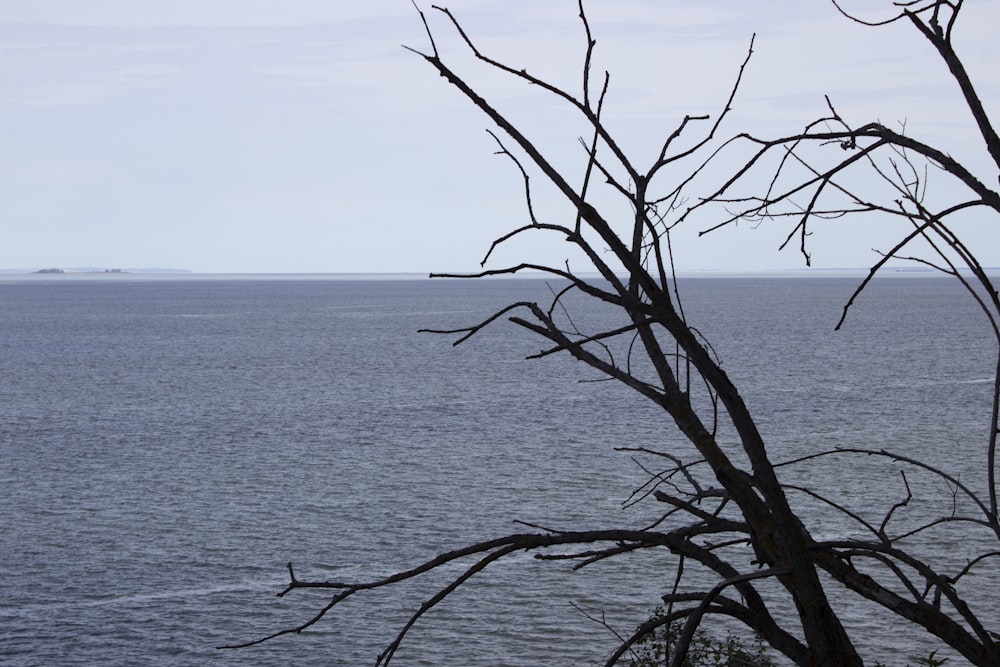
[(930, 661), (656, 649)]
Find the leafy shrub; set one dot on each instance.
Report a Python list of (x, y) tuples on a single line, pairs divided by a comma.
[(656, 649)]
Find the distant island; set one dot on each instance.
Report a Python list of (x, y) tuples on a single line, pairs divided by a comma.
[(90, 270), (82, 271)]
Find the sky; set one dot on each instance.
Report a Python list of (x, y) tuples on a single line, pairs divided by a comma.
[(299, 136)]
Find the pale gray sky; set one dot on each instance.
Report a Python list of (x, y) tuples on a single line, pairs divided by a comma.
[(299, 136)]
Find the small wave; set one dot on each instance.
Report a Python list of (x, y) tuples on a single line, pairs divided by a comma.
[(938, 383), (204, 316), (185, 593)]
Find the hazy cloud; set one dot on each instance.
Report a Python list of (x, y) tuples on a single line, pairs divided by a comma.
[(253, 135)]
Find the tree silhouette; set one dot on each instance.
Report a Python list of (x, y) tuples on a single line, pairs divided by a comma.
[(726, 507)]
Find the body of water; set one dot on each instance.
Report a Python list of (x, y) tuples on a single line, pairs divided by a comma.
[(168, 444)]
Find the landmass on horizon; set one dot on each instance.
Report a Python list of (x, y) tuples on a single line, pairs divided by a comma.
[(90, 269)]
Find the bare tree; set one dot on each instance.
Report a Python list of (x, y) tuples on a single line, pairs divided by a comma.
[(726, 507)]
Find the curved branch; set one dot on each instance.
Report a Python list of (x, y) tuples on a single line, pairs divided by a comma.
[(990, 520)]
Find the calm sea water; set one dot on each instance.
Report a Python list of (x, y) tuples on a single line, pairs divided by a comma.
[(167, 445)]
